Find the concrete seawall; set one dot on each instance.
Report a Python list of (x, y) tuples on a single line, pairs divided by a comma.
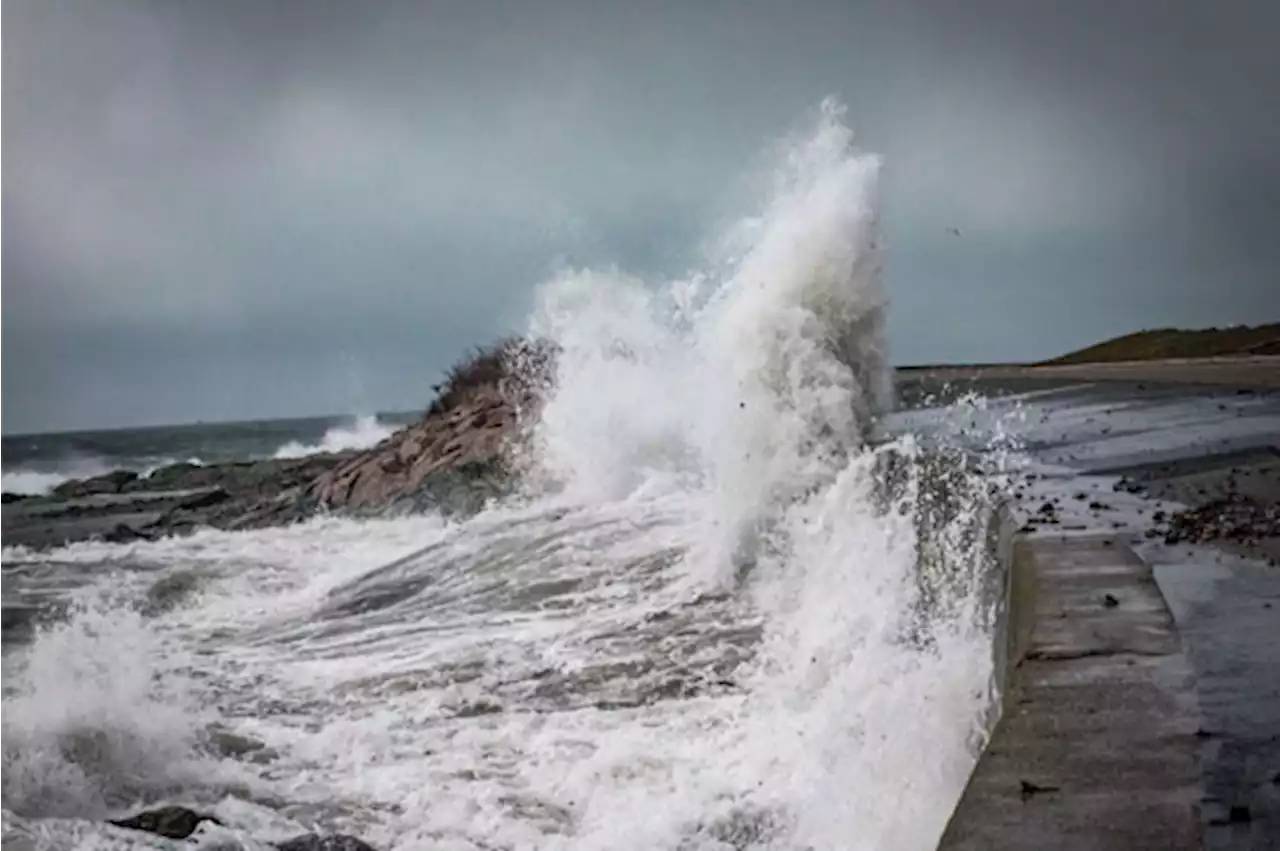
[(1016, 610), (1140, 703), (1096, 743)]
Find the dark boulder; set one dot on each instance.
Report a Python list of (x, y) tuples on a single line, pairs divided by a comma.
[(170, 591), (171, 822), (175, 822)]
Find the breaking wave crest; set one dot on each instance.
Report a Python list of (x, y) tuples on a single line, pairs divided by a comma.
[(755, 384), (717, 616), (365, 432), (88, 731), (751, 394), (40, 482)]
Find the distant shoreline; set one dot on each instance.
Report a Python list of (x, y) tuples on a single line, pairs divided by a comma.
[(1252, 372), (1244, 356), (1141, 356), (1165, 344)]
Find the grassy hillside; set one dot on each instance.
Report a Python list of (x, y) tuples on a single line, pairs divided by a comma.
[(1179, 343)]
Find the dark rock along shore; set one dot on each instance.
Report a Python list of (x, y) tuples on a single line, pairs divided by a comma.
[(176, 822), (454, 459)]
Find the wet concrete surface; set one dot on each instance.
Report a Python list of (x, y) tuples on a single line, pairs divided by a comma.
[(1228, 613), (1107, 457), (1097, 748)]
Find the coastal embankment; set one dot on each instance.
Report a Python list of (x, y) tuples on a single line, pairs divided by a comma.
[(1136, 654), (1254, 372)]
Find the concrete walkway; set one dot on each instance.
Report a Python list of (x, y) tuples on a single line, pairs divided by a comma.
[(1098, 745), (1150, 719)]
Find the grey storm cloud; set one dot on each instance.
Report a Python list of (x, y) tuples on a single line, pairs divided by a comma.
[(232, 209)]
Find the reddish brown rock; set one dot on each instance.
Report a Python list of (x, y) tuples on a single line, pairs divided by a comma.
[(469, 433)]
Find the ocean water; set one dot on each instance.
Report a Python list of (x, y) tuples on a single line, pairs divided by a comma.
[(705, 622), (36, 463)]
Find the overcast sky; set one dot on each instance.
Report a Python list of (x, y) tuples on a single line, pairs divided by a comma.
[(220, 209)]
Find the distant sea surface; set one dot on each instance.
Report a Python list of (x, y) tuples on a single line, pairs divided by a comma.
[(36, 463)]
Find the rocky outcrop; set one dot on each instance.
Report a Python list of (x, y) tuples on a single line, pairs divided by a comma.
[(434, 461), (460, 452), (459, 455)]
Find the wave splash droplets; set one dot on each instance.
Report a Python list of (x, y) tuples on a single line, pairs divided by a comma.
[(366, 432), (751, 393), (88, 732), (753, 385), (711, 620)]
